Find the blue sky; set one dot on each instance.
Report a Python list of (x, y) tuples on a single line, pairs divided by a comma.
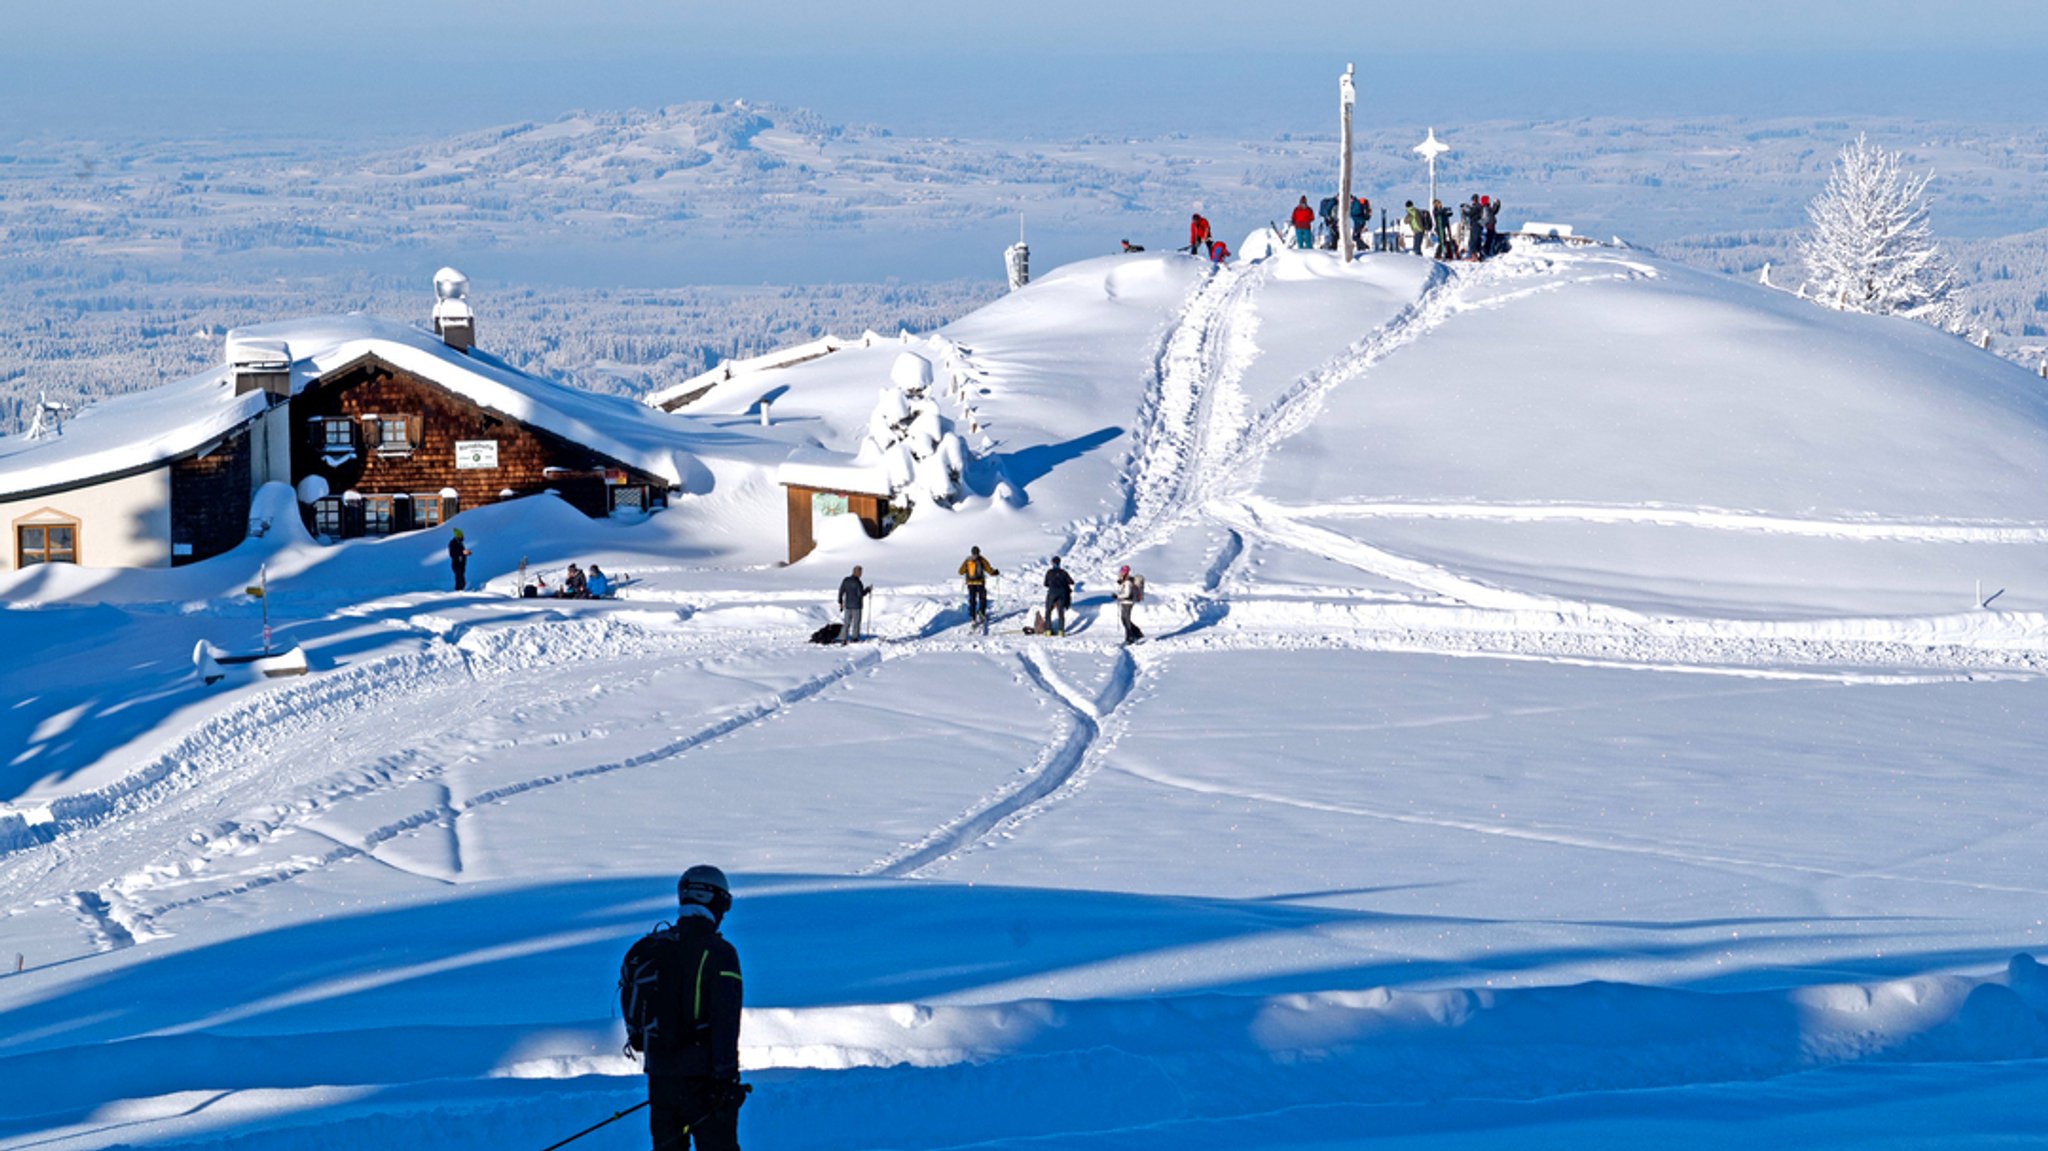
[(373, 68)]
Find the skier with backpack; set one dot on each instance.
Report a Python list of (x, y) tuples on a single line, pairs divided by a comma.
[(1418, 225), (977, 571), (1326, 211), (1130, 592), (1198, 232), (679, 993), (1361, 218), (1059, 597)]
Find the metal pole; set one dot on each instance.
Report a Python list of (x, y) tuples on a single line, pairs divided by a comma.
[(1347, 96)]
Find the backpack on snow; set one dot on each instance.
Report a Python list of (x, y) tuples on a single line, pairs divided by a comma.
[(654, 984), (828, 634)]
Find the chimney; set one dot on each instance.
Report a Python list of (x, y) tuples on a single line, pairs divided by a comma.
[(453, 321), (260, 365)]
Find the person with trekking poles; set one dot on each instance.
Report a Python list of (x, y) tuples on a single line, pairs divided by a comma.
[(679, 993), (1130, 591), (977, 571), (852, 601)]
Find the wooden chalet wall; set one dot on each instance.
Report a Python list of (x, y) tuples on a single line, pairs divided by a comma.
[(439, 418), (210, 499)]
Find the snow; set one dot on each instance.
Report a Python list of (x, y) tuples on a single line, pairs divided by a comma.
[(1570, 717)]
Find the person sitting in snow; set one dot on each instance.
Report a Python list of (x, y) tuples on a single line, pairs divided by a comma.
[(1130, 247), (600, 584), (574, 585)]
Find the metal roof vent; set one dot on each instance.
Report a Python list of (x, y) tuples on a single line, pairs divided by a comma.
[(453, 321), (260, 365)]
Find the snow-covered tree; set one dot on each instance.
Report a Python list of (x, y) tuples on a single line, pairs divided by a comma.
[(1871, 249)]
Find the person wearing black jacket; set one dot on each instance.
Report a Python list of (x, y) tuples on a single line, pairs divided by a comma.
[(1059, 596), (679, 992), (458, 560), (852, 599)]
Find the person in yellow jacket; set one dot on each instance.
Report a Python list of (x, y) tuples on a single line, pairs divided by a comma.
[(976, 570)]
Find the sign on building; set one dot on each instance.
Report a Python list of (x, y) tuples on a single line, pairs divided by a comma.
[(476, 453)]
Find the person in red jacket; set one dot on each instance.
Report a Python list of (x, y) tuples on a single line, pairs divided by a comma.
[(1198, 232), (1304, 221), (1218, 251)]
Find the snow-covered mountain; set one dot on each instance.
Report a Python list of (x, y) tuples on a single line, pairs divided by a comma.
[(1587, 702)]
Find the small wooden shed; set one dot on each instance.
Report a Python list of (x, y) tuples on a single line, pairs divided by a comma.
[(816, 485)]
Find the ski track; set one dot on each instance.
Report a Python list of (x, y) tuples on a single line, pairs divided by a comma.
[(205, 771), (1057, 768)]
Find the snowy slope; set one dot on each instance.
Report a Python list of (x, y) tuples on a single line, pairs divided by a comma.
[(1568, 720)]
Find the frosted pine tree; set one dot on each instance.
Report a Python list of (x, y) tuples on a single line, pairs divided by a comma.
[(1871, 249)]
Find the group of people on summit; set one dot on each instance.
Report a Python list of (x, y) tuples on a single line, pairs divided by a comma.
[(1471, 231), (976, 571), (1475, 236)]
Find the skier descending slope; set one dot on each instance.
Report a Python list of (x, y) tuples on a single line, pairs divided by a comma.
[(977, 571), (679, 993)]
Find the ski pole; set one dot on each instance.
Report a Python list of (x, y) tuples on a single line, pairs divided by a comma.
[(604, 1123)]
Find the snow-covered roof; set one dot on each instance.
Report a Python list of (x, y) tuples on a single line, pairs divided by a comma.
[(146, 428), (827, 471), (129, 432)]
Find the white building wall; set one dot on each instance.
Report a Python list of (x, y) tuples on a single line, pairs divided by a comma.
[(121, 523), (270, 447)]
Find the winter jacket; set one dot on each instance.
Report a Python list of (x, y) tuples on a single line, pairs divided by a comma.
[(1303, 218), (1493, 214), (977, 569), (1218, 251), (1198, 230), (1418, 220), (850, 592), (1127, 588), (1327, 209), (697, 1000), (1059, 586), (1361, 211)]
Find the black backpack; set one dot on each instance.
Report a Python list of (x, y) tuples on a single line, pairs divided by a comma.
[(654, 991)]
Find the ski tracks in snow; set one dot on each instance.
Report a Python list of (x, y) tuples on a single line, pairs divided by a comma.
[(1060, 769), (232, 762)]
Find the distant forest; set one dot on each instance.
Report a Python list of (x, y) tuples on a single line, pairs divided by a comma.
[(122, 264)]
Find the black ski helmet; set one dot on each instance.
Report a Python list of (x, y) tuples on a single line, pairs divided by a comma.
[(705, 885)]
